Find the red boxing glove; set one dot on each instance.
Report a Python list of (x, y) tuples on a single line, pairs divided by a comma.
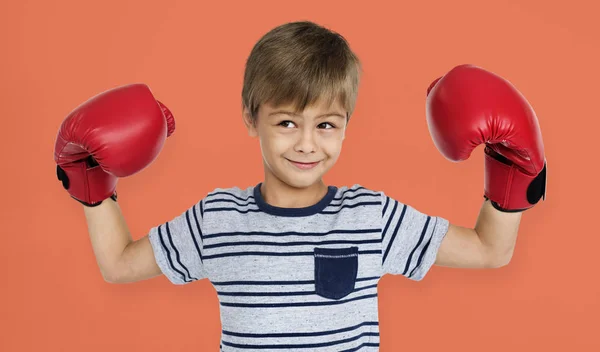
[(114, 134), (469, 106)]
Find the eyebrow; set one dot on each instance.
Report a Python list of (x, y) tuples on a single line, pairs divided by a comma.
[(295, 114)]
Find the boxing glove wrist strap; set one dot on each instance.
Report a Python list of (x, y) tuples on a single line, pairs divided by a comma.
[(509, 189)]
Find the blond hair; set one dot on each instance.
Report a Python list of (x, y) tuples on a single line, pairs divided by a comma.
[(301, 63)]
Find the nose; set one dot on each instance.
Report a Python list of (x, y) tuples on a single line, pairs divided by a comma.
[(306, 142)]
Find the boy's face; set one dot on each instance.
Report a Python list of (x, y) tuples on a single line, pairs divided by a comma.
[(298, 149)]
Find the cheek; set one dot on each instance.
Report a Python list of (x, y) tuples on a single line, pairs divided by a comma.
[(274, 143), (332, 145)]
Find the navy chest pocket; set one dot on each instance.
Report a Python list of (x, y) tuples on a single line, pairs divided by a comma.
[(335, 271)]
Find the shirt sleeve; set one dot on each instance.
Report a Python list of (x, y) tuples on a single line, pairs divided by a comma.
[(410, 239), (177, 246)]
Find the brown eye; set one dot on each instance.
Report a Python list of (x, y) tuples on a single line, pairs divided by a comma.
[(327, 123), (284, 123)]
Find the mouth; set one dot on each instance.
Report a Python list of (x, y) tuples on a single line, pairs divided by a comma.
[(304, 165)]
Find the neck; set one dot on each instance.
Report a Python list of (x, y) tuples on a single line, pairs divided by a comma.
[(278, 194)]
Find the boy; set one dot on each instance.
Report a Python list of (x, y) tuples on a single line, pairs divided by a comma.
[(296, 262)]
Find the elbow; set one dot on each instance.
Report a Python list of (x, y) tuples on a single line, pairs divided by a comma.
[(110, 276), (499, 261), (110, 280)]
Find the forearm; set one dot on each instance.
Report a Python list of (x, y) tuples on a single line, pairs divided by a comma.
[(498, 233), (109, 236)]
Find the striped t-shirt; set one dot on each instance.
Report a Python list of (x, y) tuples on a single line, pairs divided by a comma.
[(297, 279)]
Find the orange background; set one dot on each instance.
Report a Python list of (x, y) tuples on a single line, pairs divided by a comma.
[(56, 55)]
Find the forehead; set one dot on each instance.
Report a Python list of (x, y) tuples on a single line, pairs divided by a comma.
[(318, 108)]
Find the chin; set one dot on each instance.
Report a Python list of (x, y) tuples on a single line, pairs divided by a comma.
[(301, 181), (288, 174)]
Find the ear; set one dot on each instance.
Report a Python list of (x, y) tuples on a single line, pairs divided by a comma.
[(345, 127), (249, 122)]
